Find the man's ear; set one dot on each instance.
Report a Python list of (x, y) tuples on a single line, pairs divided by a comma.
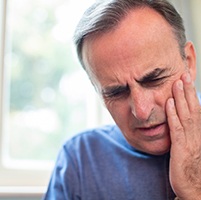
[(191, 59)]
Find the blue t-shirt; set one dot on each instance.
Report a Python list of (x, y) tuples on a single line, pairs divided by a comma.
[(99, 164)]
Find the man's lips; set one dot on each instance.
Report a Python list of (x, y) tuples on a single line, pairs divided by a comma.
[(150, 126), (153, 130)]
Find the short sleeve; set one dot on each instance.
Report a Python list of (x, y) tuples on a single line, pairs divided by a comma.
[(64, 184)]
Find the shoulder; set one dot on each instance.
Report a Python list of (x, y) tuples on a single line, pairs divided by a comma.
[(85, 146), (91, 138), (95, 132)]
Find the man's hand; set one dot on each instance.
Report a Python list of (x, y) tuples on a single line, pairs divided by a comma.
[(184, 119)]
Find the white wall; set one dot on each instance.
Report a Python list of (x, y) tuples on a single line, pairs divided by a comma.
[(190, 11)]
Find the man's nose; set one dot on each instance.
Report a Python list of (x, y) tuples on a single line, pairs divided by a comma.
[(142, 104)]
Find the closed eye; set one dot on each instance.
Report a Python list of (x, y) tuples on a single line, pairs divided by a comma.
[(154, 78), (116, 92), (154, 82)]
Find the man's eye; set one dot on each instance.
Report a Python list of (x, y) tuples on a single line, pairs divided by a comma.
[(154, 82), (116, 94)]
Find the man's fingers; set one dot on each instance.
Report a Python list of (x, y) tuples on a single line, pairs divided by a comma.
[(184, 112), (176, 129), (181, 103), (190, 92)]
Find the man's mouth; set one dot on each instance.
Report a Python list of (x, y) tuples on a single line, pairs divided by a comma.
[(153, 130), (150, 126)]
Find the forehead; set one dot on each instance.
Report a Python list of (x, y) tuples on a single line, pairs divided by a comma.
[(143, 37)]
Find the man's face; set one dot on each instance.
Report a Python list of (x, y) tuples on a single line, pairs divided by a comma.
[(133, 68)]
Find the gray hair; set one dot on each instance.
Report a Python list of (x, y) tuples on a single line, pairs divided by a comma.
[(104, 15)]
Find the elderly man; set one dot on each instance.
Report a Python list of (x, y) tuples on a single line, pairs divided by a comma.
[(136, 55)]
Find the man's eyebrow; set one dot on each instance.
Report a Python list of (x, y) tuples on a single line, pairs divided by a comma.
[(152, 75)]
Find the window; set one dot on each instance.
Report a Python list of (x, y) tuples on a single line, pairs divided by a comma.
[(45, 95), (45, 91)]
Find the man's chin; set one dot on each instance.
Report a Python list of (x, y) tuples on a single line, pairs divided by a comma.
[(157, 148)]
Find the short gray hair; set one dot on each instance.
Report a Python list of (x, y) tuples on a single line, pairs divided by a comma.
[(104, 15)]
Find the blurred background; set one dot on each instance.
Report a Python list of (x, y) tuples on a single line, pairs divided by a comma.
[(46, 96)]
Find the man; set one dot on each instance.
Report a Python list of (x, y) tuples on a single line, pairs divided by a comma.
[(136, 55)]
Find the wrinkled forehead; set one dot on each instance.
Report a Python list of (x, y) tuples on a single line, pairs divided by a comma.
[(140, 27)]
